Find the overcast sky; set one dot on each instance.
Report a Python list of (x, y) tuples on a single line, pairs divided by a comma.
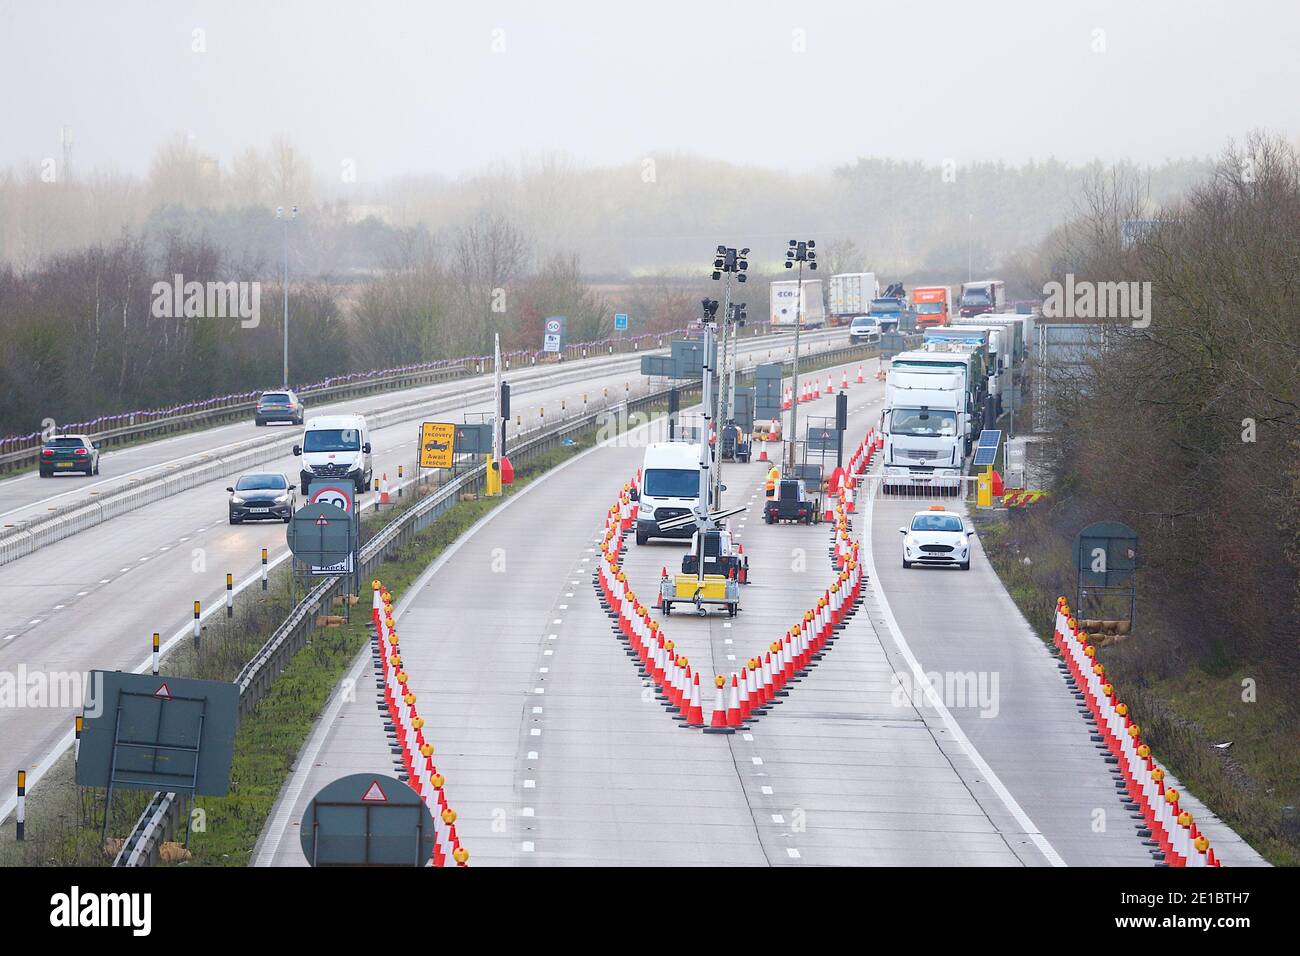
[(451, 87)]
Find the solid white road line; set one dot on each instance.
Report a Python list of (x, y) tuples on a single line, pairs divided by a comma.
[(935, 701)]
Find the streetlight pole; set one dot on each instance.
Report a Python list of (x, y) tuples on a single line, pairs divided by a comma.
[(279, 214), (800, 251), (727, 260)]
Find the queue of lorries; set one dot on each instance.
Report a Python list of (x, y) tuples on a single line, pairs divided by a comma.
[(938, 396)]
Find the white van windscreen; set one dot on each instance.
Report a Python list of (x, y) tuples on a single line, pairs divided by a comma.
[(671, 483), (332, 439)]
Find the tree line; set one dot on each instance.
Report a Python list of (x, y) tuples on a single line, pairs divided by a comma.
[(1188, 429)]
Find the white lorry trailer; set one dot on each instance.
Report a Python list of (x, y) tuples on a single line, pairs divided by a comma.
[(851, 294), (785, 308)]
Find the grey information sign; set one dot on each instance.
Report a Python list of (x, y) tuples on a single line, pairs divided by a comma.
[(661, 365), (767, 391), (143, 732), (323, 537), (1106, 555), (474, 439), (367, 819), (688, 358), (823, 438), (743, 412), (892, 343)]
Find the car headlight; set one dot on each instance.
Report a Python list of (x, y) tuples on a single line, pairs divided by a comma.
[(282, 499), (236, 500)]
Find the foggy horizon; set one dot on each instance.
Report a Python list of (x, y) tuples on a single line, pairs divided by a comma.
[(406, 90)]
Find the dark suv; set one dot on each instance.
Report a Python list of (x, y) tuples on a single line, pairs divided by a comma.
[(69, 453), (282, 406)]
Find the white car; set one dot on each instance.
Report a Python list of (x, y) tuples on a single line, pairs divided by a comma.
[(936, 538)]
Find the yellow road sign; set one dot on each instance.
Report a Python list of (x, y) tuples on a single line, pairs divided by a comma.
[(437, 444)]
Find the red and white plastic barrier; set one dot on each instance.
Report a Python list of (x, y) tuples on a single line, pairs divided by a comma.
[(745, 694), (417, 752), (1171, 826)]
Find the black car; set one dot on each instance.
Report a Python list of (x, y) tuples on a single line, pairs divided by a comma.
[(261, 496), (69, 453), (281, 406)]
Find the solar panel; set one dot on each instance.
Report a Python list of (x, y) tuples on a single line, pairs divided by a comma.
[(986, 452)]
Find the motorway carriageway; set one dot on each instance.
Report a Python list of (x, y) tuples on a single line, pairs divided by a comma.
[(27, 497), (93, 600), (555, 751)]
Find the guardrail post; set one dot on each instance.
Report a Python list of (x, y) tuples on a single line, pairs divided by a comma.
[(264, 569), (230, 595), (155, 653), (198, 626)]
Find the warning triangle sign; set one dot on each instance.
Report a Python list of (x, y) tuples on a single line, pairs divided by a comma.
[(322, 521), (162, 691), (374, 794)]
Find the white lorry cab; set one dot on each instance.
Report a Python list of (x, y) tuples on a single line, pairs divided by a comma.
[(670, 486), (335, 446), (924, 424)]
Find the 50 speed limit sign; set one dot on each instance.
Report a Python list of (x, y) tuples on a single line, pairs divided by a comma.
[(338, 494)]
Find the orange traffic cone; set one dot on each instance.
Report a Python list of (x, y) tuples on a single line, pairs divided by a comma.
[(718, 722), (860, 378), (733, 704), (694, 712)]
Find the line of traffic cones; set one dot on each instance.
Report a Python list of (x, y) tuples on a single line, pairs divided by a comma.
[(406, 728), (1168, 828), (762, 681)]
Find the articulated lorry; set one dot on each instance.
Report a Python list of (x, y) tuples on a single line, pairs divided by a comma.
[(850, 295), (933, 305), (925, 423), (984, 295), (1019, 329), (968, 361), (992, 339), (785, 307)]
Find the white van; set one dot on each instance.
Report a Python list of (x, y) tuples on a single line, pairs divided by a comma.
[(335, 446), (670, 486)]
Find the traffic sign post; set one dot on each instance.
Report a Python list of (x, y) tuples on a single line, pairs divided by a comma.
[(145, 732), (367, 819), (1106, 561), (437, 444), (326, 539), (553, 336)]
